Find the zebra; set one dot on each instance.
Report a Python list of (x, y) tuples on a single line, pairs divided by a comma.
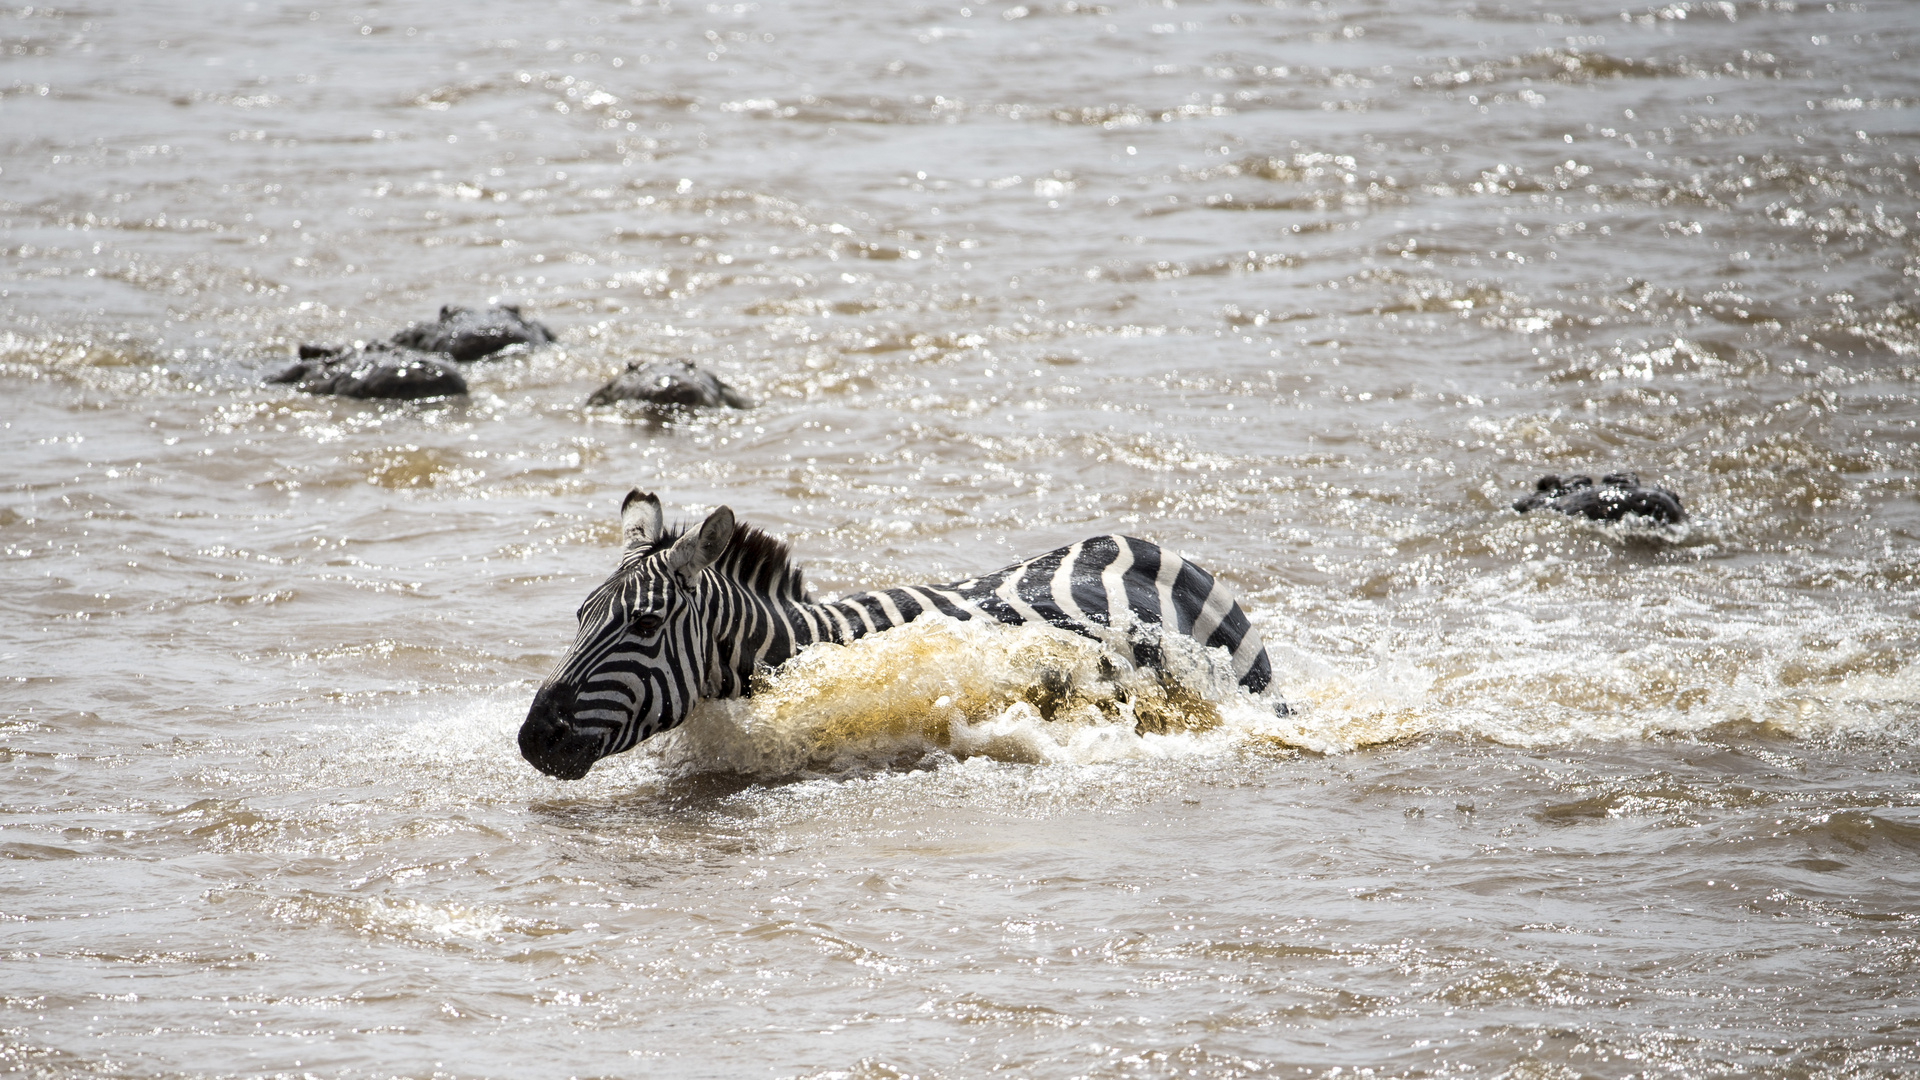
[(695, 613)]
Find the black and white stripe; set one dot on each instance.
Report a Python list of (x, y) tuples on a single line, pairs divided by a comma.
[(694, 614)]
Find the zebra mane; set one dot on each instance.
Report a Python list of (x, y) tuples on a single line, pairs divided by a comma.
[(754, 559), (762, 563)]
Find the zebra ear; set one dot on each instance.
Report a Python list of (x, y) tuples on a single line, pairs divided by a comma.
[(641, 521), (698, 549)]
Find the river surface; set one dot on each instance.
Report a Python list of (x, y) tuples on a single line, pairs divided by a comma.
[(1308, 290)]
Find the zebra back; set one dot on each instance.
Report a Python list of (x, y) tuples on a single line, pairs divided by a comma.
[(1102, 587)]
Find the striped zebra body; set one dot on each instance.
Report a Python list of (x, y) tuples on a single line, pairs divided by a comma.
[(695, 615)]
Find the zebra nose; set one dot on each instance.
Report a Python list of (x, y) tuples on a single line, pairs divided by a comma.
[(550, 741)]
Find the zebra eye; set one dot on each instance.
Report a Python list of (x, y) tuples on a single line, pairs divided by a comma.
[(648, 623)]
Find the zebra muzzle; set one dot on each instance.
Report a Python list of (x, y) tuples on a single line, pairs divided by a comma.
[(552, 742)]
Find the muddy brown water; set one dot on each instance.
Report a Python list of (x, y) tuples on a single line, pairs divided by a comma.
[(1308, 291)]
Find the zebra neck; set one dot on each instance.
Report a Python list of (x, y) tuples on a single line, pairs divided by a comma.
[(752, 631), (847, 619)]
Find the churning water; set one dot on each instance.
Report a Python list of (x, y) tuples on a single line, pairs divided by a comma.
[(1309, 291)]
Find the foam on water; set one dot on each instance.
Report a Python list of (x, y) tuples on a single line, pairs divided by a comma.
[(937, 690)]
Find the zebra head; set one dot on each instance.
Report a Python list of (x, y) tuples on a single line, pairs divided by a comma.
[(639, 661)]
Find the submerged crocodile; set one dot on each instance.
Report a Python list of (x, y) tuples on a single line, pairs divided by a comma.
[(377, 370), (469, 334), (1617, 495), (670, 383)]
